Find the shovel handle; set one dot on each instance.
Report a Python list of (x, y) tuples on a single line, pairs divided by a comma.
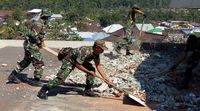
[(108, 82), (48, 49), (141, 28), (51, 51)]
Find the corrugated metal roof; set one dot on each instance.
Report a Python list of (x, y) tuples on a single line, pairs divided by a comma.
[(112, 28), (5, 13), (35, 11), (185, 4), (100, 35), (97, 35), (85, 34), (145, 28)]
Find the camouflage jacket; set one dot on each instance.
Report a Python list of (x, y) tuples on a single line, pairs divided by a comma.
[(33, 41), (84, 54)]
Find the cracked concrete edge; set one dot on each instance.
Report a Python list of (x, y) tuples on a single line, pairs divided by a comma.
[(54, 44)]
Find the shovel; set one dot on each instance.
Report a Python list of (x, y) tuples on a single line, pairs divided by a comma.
[(111, 84), (49, 50), (137, 43), (124, 91), (140, 34)]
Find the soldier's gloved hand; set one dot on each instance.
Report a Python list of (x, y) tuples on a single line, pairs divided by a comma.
[(173, 67), (144, 16)]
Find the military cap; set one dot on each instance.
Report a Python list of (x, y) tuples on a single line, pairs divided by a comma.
[(135, 6), (101, 44)]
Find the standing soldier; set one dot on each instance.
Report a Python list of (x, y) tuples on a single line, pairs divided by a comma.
[(32, 45), (192, 45), (80, 58), (128, 39), (132, 15)]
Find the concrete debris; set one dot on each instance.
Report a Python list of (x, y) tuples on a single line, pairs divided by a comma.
[(4, 65), (132, 74), (144, 76), (176, 37), (17, 88), (102, 87)]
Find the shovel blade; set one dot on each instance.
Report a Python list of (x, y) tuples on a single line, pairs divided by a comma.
[(137, 100)]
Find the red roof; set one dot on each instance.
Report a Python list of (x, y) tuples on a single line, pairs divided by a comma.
[(4, 13)]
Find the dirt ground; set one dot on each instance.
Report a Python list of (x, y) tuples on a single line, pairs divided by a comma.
[(22, 97)]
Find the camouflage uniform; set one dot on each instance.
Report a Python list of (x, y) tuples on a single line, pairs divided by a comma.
[(130, 30), (83, 56), (70, 57), (127, 40), (32, 45)]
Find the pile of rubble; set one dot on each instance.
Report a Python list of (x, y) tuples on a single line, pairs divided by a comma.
[(146, 76)]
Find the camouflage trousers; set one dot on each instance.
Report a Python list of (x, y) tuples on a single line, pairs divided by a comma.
[(128, 39), (35, 59), (124, 43), (66, 68)]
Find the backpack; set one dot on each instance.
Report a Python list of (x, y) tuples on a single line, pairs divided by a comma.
[(63, 53)]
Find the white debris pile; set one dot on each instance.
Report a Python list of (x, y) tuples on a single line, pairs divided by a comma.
[(144, 75)]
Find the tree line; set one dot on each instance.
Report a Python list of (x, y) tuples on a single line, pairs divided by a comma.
[(105, 11)]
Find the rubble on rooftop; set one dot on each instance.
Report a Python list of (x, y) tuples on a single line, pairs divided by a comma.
[(141, 73)]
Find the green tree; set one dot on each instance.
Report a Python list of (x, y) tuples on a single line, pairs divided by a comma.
[(18, 15)]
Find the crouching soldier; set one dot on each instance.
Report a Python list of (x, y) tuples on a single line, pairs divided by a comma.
[(80, 58), (193, 46), (32, 45)]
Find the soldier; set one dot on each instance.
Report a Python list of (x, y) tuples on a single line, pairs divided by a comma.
[(124, 43), (32, 45), (192, 45), (132, 15), (80, 58), (128, 39)]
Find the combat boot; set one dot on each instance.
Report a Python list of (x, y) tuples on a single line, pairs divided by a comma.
[(89, 92), (36, 82), (12, 78), (42, 94)]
